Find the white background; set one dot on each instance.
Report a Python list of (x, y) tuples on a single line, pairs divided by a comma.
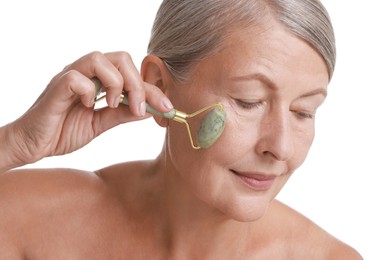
[(343, 185)]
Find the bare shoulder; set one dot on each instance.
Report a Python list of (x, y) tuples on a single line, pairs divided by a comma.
[(26, 190), (25, 185), (35, 201), (76, 214), (308, 240)]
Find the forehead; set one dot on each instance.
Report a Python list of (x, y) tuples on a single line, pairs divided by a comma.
[(272, 50)]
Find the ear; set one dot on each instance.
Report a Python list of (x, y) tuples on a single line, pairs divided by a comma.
[(155, 72)]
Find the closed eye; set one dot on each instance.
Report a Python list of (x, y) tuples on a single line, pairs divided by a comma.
[(305, 115), (249, 104)]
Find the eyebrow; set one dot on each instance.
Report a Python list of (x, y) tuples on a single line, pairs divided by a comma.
[(256, 76), (269, 83), (317, 91)]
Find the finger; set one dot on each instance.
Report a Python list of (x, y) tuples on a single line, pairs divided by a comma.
[(70, 86), (157, 99), (96, 64), (107, 118), (132, 84)]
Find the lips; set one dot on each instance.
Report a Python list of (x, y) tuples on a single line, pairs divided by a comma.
[(256, 181)]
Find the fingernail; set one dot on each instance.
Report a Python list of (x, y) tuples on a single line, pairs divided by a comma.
[(116, 101), (91, 103), (167, 104), (142, 108)]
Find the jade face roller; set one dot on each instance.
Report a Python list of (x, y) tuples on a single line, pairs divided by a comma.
[(209, 131)]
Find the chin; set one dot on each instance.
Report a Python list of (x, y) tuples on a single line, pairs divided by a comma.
[(247, 212)]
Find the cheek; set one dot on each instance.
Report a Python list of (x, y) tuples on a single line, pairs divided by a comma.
[(302, 142), (199, 170), (232, 144), (237, 140), (305, 136)]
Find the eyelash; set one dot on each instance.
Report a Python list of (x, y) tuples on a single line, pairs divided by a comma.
[(305, 115), (249, 105)]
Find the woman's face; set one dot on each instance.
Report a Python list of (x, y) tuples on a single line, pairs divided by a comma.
[(270, 83)]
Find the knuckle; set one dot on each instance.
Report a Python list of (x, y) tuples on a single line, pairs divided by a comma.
[(74, 81), (124, 57), (95, 56), (71, 77)]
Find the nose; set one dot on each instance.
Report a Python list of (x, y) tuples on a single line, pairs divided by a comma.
[(276, 137)]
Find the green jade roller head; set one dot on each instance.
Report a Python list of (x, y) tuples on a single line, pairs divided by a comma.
[(210, 128)]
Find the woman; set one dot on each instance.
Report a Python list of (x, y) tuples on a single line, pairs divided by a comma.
[(267, 62)]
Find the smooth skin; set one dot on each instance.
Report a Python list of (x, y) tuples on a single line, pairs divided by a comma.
[(185, 204)]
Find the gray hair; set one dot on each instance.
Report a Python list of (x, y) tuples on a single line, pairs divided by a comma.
[(187, 31)]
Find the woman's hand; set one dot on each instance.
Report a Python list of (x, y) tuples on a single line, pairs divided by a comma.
[(63, 118)]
